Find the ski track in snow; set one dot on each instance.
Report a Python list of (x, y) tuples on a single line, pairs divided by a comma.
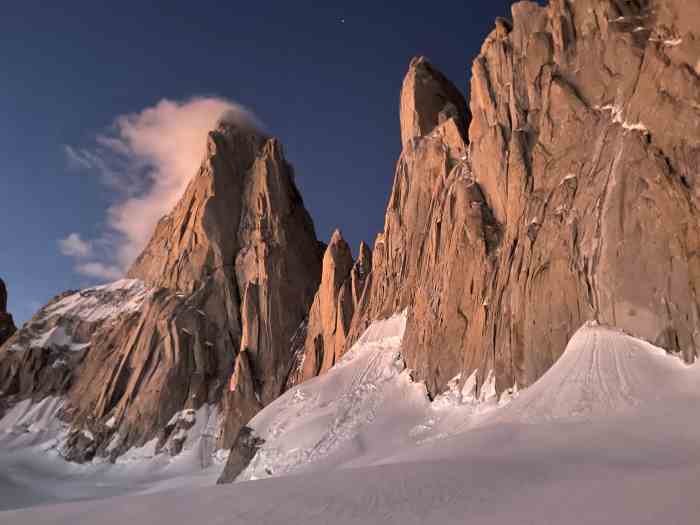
[(603, 372), (607, 435)]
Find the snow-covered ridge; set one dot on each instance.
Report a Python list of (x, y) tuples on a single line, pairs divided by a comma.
[(57, 325), (102, 302), (324, 415)]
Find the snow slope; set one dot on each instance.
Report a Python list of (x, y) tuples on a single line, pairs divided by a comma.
[(33, 472), (368, 411), (608, 435)]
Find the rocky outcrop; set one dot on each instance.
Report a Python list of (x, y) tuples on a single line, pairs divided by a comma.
[(7, 324), (436, 214), (359, 274), (242, 453), (429, 99), (574, 197), (331, 312), (204, 319)]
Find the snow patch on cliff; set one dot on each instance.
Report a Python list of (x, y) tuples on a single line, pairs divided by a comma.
[(57, 326), (101, 302), (617, 115)]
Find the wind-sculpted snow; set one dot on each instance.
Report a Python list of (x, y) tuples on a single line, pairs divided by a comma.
[(608, 435)]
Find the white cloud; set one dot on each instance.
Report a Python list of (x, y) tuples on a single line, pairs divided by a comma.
[(74, 246), (99, 271), (147, 160)]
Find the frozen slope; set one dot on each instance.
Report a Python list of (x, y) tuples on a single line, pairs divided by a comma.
[(608, 435), (33, 471), (605, 373), (364, 407), (367, 411)]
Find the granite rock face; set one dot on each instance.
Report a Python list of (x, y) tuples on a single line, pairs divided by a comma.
[(203, 321), (7, 324), (331, 312), (428, 99), (574, 196), (436, 222), (242, 453)]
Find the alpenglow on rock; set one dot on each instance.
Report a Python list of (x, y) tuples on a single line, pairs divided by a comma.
[(204, 318), (428, 99), (575, 196), (7, 325), (342, 285)]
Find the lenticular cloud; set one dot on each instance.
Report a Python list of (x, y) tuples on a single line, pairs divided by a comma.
[(147, 160)]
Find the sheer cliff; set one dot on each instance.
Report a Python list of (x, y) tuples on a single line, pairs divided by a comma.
[(204, 318), (573, 197)]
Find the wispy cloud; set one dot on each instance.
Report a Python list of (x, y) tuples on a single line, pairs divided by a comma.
[(75, 246), (99, 271), (146, 160)]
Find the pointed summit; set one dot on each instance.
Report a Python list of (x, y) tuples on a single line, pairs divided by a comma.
[(337, 263), (360, 272), (337, 236), (428, 99), (331, 312), (200, 234), (211, 303)]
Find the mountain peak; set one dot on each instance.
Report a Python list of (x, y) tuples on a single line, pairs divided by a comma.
[(337, 236), (428, 98), (213, 300)]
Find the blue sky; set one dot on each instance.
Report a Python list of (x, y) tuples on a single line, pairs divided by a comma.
[(329, 90)]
